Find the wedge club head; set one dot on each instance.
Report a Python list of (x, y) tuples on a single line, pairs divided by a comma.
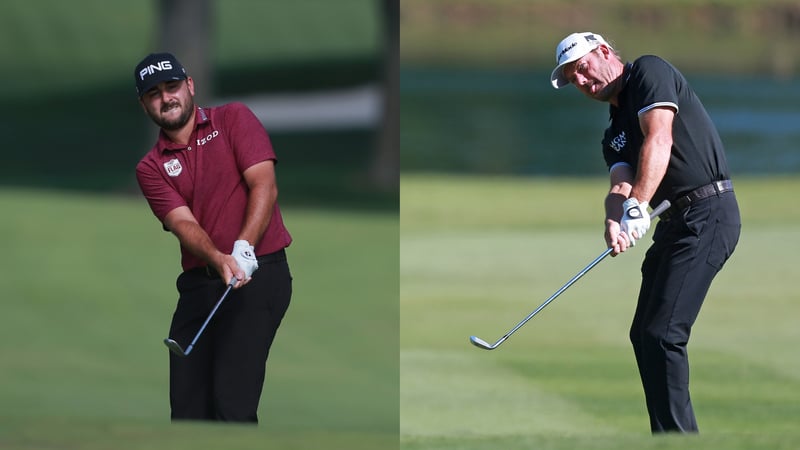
[(175, 348), (480, 343)]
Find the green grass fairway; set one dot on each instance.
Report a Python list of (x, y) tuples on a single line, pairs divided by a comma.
[(479, 254), (88, 293)]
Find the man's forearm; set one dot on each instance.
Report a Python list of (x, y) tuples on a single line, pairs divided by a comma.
[(192, 237), (655, 153), (652, 167), (260, 203)]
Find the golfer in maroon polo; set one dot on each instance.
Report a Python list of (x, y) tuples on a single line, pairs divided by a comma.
[(210, 180)]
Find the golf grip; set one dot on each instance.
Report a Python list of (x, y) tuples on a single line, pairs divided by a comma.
[(663, 206)]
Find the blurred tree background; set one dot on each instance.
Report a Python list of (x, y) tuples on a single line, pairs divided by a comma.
[(476, 97), (71, 119)]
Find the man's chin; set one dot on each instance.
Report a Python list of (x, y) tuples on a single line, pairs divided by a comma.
[(171, 125), (174, 122), (602, 95)]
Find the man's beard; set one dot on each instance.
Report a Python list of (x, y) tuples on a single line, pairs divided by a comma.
[(180, 121)]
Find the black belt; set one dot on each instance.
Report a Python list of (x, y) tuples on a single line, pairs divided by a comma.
[(280, 255), (683, 202)]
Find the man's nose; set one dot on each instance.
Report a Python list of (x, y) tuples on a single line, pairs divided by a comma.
[(166, 96)]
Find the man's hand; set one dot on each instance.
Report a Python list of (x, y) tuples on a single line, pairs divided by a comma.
[(245, 257), (616, 241), (635, 220)]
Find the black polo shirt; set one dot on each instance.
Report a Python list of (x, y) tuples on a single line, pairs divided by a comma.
[(698, 156)]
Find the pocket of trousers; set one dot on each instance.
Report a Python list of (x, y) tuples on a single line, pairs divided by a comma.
[(724, 243)]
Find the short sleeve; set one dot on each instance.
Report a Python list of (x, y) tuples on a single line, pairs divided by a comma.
[(161, 197), (247, 137), (656, 84)]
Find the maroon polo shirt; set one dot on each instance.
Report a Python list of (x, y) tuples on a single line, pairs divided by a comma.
[(206, 175)]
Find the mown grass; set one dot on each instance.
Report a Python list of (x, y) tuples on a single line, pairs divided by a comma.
[(88, 293), (497, 247)]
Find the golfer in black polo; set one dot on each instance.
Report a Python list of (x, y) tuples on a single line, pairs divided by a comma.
[(661, 144)]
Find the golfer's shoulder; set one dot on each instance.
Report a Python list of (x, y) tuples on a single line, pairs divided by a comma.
[(232, 114), (232, 109), (652, 65), (150, 160)]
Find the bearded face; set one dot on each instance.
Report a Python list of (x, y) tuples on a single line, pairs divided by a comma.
[(170, 104)]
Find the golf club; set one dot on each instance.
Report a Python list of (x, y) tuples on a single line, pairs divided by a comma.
[(175, 348), (480, 343)]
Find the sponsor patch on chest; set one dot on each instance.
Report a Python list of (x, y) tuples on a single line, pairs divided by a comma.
[(618, 143), (173, 167)]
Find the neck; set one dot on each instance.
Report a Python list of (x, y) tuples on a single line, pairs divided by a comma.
[(619, 83), (614, 99)]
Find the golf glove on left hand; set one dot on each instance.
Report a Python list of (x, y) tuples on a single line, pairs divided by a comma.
[(634, 219), (245, 257)]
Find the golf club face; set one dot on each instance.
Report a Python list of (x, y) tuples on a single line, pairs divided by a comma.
[(480, 343), (174, 347)]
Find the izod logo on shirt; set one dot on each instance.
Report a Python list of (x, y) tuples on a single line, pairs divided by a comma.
[(205, 140), (173, 167)]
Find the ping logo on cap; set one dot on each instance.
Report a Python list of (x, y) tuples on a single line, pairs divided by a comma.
[(152, 68), (157, 68)]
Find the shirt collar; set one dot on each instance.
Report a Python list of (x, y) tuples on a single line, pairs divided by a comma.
[(626, 75), (165, 144)]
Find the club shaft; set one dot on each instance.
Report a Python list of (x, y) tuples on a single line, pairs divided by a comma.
[(655, 213), (554, 296), (208, 319)]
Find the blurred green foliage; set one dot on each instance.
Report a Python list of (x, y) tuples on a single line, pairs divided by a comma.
[(71, 119), (53, 47), (703, 35)]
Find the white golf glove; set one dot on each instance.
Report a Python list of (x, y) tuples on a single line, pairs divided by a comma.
[(634, 219), (245, 257)]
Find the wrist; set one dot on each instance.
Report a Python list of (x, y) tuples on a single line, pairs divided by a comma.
[(629, 203), (217, 259), (241, 244)]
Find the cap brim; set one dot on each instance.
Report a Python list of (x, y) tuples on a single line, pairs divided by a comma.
[(155, 81), (557, 76)]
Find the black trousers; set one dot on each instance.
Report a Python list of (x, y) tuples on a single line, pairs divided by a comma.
[(688, 251), (223, 377)]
